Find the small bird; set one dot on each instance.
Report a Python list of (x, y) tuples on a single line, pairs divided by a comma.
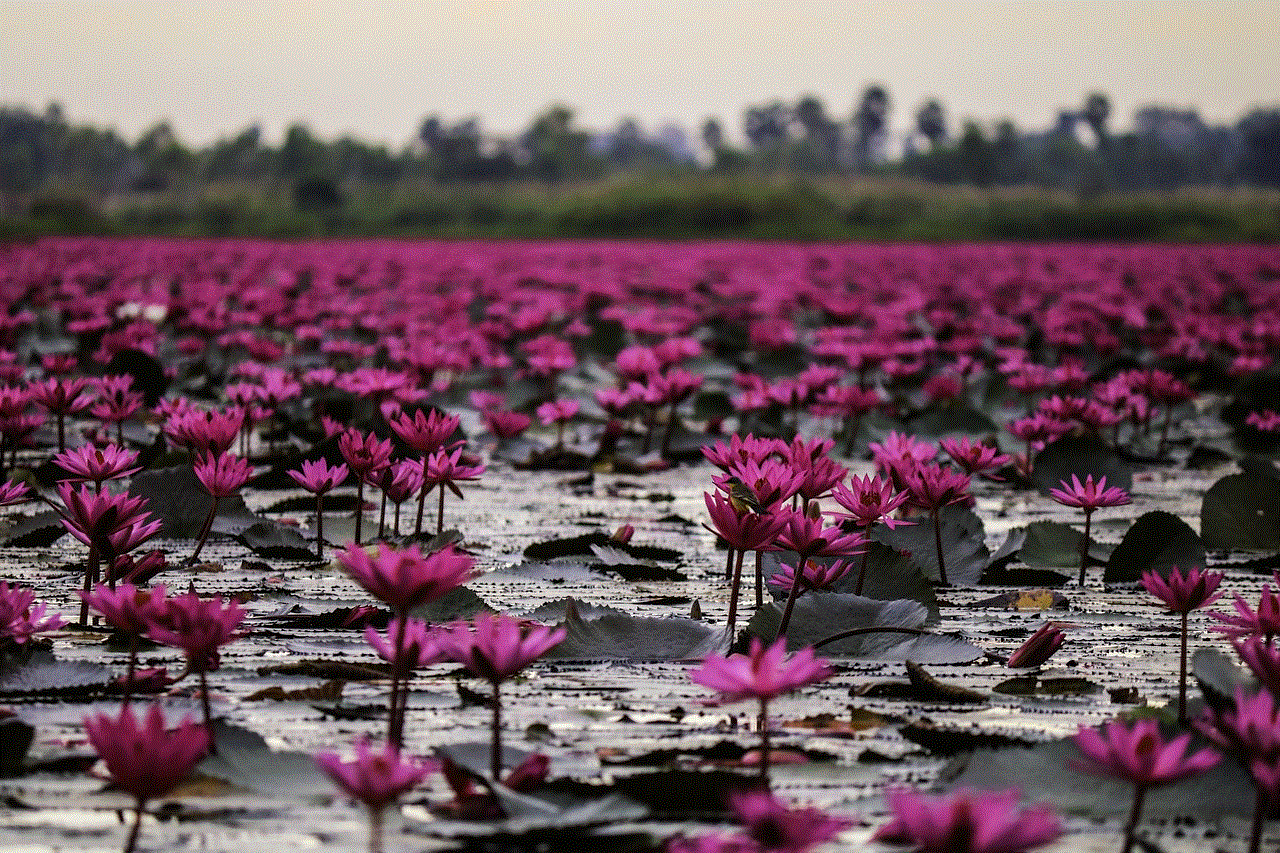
[(741, 497)]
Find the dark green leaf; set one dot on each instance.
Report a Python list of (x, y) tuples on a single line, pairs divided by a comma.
[(614, 635), (276, 541), (1080, 456), (1157, 540), (175, 496), (964, 545), (1242, 511)]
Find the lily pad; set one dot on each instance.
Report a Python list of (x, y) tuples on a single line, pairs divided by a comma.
[(1157, 541), (39, 531), (1082, 457), (614, 635), (45, 675), (276, 541), (175, 496), (964, 545), (246, 761), (1242, 511), (820, 615)]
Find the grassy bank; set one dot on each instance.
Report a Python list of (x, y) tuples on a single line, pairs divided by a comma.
[(684, 208)]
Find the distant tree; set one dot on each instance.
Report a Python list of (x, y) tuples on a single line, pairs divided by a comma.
[(300, 153), (821, 136), (1259, 133), (931, 122), (712, 135), (767, 126), (1096, 111), (977, 156), (555, 150), (870, 119)]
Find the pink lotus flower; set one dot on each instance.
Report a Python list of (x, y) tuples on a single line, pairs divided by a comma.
[(13, 493), (761, 674), (1182, 594), (443, 469), (205, 432), (1263, 622), (868, 501), (967, 820), (1088, 496), (1039, 647), (1139, 754), (62, 396), (1250, 732), (97, 465), (364, 455), (769, 826), (495, 648), (198, 626), (376, 779), (407, 644), (110, 524), (808, 537), (729, 456), (749, 531), (143, 758), (505, 424), (403, 579), (320, 478), (425, 433), (20, 617), (816, 575), (975, 457)]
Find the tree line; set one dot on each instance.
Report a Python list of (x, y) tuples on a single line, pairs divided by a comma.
[(42, 152)]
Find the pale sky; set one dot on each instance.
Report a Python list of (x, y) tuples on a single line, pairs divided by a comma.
[(376, 67)]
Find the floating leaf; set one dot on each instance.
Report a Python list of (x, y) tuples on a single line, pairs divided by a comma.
[(964, 545), (929, 689), (951, 420), (1157, 541), (1242, 511), (819, 615), (1044, 773), (457, 603), (175, 496), (45, 675), (16, 737), (584, 545), (39, 531), (1082, 457), (890, 577), (244, 760), (1051, 543), (276, 541), (1219, 677), (615, 635)]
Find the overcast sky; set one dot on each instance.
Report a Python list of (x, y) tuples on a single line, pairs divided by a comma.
[(376, 68)]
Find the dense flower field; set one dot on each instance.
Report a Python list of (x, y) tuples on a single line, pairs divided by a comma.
[(290, 526)]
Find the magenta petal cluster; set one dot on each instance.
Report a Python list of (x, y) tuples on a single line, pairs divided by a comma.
[(762, 673), (97, 464), (318, 476), (1138, 753), (772, 826), (20, 617), (496, 647), (1039, 647), (127, 608), (1183, 593), (1089, 495), (222, 476), (421, 647), (403, 579), (967, 821), (198, 626), (376, 778), (145, 758)]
